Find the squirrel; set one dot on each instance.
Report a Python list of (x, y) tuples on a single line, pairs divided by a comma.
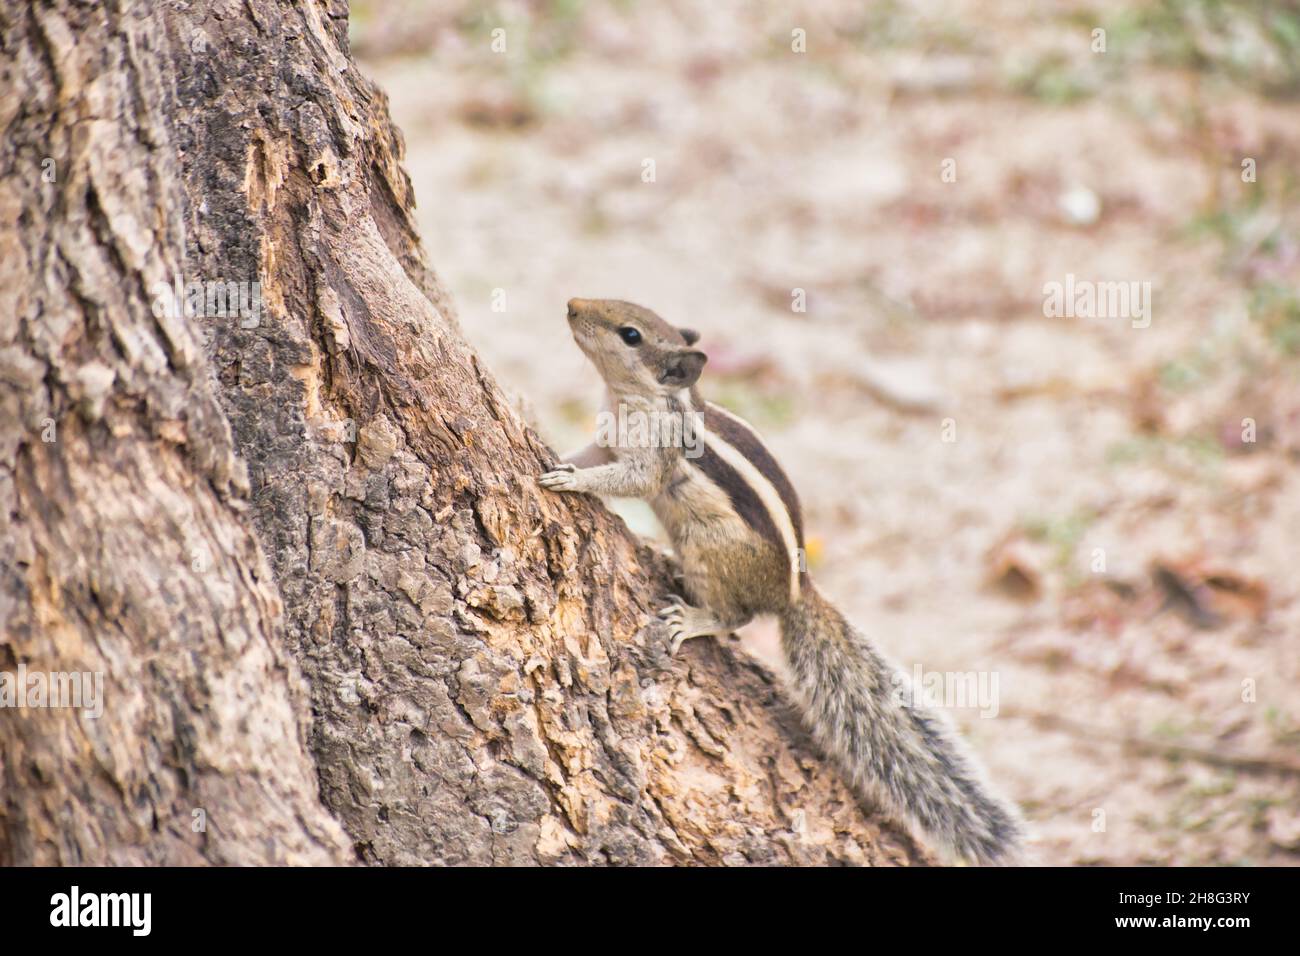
[(735, 524)]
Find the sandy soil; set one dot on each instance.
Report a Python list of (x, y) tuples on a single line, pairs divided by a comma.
[(1075, 508)]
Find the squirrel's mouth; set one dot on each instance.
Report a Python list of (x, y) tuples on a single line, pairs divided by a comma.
[(582, 330)]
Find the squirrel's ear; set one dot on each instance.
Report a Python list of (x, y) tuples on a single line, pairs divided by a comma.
[(682, 368), (690, 335)]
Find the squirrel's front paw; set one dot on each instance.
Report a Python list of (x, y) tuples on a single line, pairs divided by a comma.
[(562, 478)]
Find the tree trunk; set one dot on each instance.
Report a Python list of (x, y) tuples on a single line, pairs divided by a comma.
[(208, 508)]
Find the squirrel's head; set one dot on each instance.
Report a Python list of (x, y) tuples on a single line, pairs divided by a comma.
[(633, 349)]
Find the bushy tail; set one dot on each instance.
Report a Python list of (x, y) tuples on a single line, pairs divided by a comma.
[(863, 713)]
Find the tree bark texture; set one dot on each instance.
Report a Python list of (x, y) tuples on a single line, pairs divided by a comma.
[(334, 611)]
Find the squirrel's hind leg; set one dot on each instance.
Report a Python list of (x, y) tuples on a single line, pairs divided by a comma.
[(685, 622)]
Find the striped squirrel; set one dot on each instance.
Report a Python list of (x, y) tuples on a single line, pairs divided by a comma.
[(735, 524)]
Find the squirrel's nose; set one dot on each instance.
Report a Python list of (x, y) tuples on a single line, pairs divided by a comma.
[(576, 306)]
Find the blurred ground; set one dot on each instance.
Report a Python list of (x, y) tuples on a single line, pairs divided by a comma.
[(1103, 535)]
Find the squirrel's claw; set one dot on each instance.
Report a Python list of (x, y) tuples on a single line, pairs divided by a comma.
[(675, 608), (673, 615), (685, 622), (560, 478)]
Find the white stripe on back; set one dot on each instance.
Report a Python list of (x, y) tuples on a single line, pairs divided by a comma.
[(766, 491)]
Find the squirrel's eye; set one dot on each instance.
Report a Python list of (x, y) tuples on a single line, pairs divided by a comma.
[(630, 335)]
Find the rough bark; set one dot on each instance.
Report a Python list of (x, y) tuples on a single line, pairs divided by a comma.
[(486, 680), (118, 482)]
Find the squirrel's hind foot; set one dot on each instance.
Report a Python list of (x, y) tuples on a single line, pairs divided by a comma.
[(685, 622)]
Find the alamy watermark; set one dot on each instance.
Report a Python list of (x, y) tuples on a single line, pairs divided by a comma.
[(219, 298), (1085, 299), (640, 428), (948, 689), (75, 689), (75, 908)]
